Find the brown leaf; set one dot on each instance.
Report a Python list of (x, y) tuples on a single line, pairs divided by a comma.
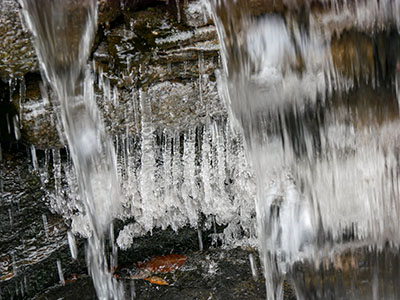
[(163, 264), (156, 280), (7, 276)]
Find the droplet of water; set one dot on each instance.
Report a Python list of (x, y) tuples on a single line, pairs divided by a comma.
[(72, 245)]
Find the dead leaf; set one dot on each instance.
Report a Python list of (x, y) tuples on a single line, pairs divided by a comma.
[(156, 280), (7, 276), (163, 264)]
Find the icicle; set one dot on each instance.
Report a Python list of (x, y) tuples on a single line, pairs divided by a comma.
[(44, 172), (17, 132), (57, 177), (60, 272), (200, 67), (21, 98), (200, 237), (178, 11), (147, 179), (176, 168), (167, 165), (189, 187), (34, 158), (10, 216), (72, 245), (205, 172), (223, 204), (14, 264), (46, 226), (253, 267)]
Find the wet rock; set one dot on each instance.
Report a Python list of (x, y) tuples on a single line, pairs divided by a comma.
[(29, 250), (36, 113), (17, 56), (194, 14), (108, 10), (133, 5), (173, 65), (216, 273), (145, 46)]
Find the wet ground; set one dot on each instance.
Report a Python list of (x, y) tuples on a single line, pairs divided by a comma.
[(211, 274)]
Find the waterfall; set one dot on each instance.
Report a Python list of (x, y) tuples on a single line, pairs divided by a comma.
[(63, 31), (325, 158), (303, 153)]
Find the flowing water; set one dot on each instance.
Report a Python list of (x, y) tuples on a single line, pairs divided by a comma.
[(63, 31), (325, 157)]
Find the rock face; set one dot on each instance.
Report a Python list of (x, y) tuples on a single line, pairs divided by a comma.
[(169, 50), (169, 47), (17, 56), (169, 54)]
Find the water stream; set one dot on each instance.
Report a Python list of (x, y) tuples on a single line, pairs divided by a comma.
[(326, 166), (63, 32)]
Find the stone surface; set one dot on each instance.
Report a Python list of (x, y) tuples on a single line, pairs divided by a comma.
[(28, 254), (147, 49), (108, 10), (17, 56), (171, 54)]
